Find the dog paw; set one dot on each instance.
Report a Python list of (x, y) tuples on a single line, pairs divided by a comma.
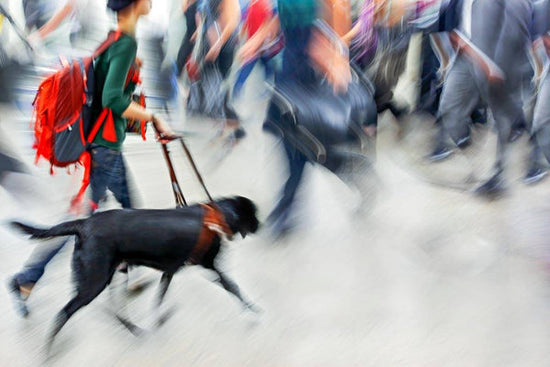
[(164, 316), (253, 308)]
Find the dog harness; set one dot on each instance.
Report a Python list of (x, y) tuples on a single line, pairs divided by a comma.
[(213, 224)]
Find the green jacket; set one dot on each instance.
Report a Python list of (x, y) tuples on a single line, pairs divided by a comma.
[(297, 13), (111, 71)]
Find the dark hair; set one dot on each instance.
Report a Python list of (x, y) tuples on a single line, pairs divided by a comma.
[(117, 5)]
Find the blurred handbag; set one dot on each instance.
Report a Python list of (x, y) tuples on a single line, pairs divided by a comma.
[(206, 95), (312, 118)]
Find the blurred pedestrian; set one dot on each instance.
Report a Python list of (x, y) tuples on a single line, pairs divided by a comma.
[(112, 96), (492, 39), (308, 57), (189, 8), (216, 41), (258, 13)]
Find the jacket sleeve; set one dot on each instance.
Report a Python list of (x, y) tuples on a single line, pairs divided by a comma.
[(121, 57)]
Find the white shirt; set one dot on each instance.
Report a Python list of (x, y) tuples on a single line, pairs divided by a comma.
[(466, 21)]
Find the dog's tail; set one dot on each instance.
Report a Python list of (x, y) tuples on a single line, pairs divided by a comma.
[(63, 229)]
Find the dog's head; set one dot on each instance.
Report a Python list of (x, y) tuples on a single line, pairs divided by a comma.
[(240, 214)]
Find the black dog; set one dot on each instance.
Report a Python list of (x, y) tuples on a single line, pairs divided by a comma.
[(162, 239)]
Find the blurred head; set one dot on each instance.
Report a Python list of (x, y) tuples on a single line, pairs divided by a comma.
[(130, 7)]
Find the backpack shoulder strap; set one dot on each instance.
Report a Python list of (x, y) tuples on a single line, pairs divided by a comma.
[(111, 38)]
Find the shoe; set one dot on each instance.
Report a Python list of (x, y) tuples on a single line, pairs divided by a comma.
[(18, 301), (464, 142), (239, 133), (492, 189), (516, 132), (441, 152), (278, 228), (535, 174), (235, 137)]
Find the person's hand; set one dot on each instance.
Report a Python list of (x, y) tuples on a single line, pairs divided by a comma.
[(330, 61), (35, 40), (339, 75), (163, 131), (214, 51)]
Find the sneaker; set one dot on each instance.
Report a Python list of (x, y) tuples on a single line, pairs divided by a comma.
[(18, 300), (465, 142), (492, 189), (440, 153), (534, 174), (239, 133), (516, 133)]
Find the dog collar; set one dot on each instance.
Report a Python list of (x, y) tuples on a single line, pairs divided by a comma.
[(213, 223)]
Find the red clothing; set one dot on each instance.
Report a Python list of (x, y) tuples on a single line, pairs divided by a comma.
[(259, 11)]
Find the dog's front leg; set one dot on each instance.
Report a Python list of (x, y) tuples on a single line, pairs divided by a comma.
[(233, 288)]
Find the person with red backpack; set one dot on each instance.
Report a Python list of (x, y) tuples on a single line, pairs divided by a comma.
[(112, 106)]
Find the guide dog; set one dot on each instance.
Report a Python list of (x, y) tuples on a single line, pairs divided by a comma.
[(162, 239)]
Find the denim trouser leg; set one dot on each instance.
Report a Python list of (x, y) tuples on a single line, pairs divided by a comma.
[(109, 172), (42, 254), (269, 70), (296, 164), (244, 73), (39, 259)]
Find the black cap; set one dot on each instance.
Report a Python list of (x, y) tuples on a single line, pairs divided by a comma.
[(117, 5)]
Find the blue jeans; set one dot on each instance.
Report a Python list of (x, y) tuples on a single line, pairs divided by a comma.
[(108, 172), (296, 163), (247, 68)]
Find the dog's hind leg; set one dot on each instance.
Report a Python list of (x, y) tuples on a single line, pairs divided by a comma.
[(117, 290), (232, 287), (164, 284), (162, 316), (82, 298)]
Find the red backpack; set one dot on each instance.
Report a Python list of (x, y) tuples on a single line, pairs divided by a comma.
[(63, 126)]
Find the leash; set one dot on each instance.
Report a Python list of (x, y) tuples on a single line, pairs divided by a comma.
[(178, 194), (176, 188), (195, 169), (213, 222)]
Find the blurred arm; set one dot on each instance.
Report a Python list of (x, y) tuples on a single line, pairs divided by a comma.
[(348, 37), (327, 51), (439, 48), (230, 16), (250, 48), (489, 67), (56, 20)]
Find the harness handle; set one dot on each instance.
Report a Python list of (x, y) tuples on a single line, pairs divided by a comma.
[(194, 166), (180, 199)]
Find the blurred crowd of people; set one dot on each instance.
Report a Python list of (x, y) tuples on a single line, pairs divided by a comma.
[(332, 65)]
